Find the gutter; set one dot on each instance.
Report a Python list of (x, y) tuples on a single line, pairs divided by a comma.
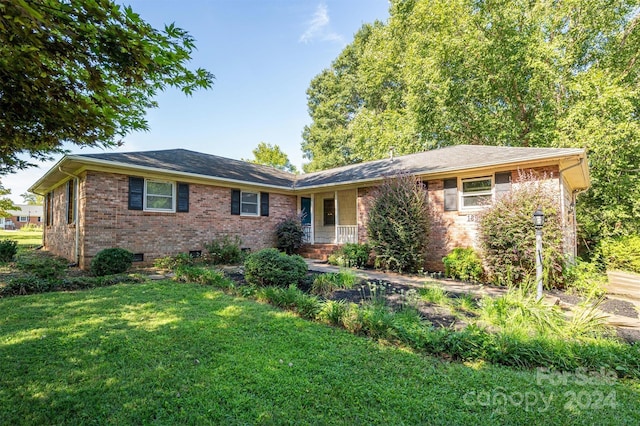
[(77, 212)]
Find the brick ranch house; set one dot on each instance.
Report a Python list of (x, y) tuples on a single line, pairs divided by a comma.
[(25, 214), (160, 203)]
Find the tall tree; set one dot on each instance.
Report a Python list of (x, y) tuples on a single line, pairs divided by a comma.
[(499, 72), (5, 202), (272, 155), (32, 199), (82, 71)]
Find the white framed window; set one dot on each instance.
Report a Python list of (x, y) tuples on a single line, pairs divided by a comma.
[(476, 192), (23, 219), (159, 196), (249, 203)]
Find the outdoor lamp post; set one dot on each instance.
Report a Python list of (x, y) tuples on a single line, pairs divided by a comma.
[(538, 222)]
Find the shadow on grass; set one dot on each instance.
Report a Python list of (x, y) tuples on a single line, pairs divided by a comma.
[(178, 353)]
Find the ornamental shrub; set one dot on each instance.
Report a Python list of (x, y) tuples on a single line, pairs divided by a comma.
[(507, 235), (463, 263), (290, 234), (351, 255), (622, 253), (8, 250), (270, 267), (111, 261), (225, 250), (42, 265), (399, 223)]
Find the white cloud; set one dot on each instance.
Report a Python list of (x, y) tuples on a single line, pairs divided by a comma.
[(319, 27)]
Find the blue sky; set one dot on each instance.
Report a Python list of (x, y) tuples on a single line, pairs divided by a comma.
[(263, 53)]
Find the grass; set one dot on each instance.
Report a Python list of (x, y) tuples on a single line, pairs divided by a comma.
[(25, 239), (172, 353)]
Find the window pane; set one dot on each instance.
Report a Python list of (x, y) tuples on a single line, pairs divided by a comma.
[(160, 188), (476, 200), (159, 202), (249, 203), (250, 197), (476, 185), (249, 208)]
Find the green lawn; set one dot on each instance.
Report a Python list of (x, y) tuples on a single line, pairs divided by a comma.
[(25, 239), (170, 353)]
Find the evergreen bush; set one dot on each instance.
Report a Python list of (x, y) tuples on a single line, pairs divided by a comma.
[(111, 261), (8, 250), (399, 223), (270, 267), (225, 250), (463, 263), (290, 234)]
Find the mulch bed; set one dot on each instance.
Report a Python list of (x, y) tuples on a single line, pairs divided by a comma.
[(396, 296)]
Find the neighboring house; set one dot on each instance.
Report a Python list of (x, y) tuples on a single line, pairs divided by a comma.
[(26, 213), (161, 203)]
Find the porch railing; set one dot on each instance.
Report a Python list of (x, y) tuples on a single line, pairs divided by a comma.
[(306, 229), (346, 234)]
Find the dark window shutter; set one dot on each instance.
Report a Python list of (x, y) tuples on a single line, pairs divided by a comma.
[(503, 183), (183, 198), (264, 204), (451, 194), (136, 193), (235, 201)]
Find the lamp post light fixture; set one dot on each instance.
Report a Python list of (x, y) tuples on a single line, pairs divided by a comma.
[(538, 223)]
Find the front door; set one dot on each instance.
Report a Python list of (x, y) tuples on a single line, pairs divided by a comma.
[(305, 211)]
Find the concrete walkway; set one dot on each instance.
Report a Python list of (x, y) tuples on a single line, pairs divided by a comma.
[(459, 287)]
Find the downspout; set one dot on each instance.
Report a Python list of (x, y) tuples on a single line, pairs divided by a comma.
[(77, 211)]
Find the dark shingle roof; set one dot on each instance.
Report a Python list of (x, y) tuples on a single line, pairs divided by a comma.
[(452, 158), (182, 160)]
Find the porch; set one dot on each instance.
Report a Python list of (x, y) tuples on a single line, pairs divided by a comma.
[(330, 217)]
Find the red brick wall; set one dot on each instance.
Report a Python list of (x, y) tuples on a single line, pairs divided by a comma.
[(449, 229), (59, 236), (105, 221), (17, 224), (108, 222)]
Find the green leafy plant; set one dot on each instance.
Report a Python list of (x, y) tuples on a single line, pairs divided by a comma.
[(351, 255), (622, 253), (507, 236), (173, 262), (325, 284), (8, 250), (290, 234), (292, 298), (270, 267), (31, 227), (464, 264), (225, 250), (41, 265), (585, 279), (111, 261), (399, 223), (333, 311), (202, 275)]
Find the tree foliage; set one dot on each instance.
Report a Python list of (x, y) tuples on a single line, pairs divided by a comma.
[(539, 74), (32, 199), (399, 224), (84, 72), (271, 155), (5, 202)]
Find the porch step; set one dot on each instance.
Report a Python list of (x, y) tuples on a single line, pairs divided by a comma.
[(318, 251)]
